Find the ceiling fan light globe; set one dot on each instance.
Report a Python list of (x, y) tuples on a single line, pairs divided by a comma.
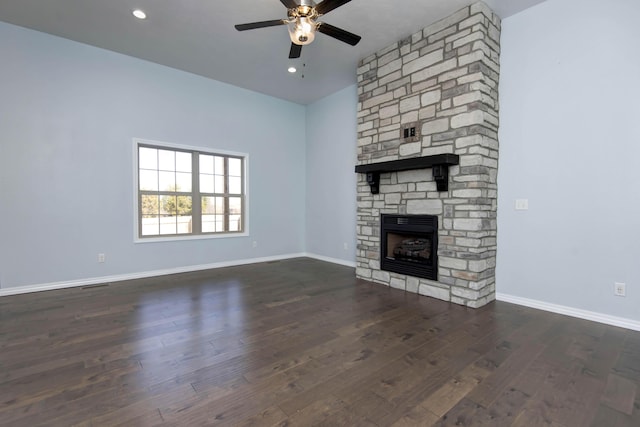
[(302, 31)]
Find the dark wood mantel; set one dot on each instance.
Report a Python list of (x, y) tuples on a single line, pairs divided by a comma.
[(439, 163)]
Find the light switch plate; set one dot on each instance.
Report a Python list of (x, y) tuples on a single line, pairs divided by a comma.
[(522, 204)]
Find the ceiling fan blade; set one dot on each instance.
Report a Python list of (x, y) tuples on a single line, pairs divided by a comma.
[(295, 51), (339, 33), (261, 24), (328, 5), (289, 4)]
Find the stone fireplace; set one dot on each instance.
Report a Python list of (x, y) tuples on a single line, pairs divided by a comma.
[(428, 147)]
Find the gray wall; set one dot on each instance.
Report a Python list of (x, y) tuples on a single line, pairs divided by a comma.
[(331, 180), (570, 143), (68, 113)]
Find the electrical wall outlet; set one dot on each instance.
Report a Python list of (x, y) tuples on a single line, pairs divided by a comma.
[(522, 204), (620, 289), (254, 244), (101, 257), (345, 246)]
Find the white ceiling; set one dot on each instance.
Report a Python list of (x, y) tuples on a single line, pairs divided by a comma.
[(198, 36)]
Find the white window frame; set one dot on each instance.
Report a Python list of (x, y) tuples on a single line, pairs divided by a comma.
[(172, 238)]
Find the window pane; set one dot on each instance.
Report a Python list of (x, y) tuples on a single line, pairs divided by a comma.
[(219, 205), (184, 224), (206, 183), (208, 224), (167, 181), (183, 162), (235, 222), (150, 205), (148, 158), (148, 180), (167, 205), (184, 205), (150, 225), (219, 165), (219, 223), (168, 225), (166, 160), (235, 185), (183, 182), (235, 205), (219, 184), (235, 167), (208, 205), (206, 164)]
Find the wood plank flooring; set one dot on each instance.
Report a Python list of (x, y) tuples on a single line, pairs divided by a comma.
[(303, 343)]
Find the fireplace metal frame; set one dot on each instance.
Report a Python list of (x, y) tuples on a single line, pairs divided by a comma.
[(410, 225)]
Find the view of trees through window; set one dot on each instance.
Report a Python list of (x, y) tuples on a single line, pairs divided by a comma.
[(183, 192)]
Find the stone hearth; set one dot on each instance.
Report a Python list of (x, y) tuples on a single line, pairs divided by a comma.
[(433, 93)]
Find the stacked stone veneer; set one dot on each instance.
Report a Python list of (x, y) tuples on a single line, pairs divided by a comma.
[(444, 80)]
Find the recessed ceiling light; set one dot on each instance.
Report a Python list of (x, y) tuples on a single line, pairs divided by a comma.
[(139, 14), (292, 69)]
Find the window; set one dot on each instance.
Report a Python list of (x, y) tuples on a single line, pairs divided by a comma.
[(186, 192)]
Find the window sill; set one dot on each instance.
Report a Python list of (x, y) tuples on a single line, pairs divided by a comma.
[(185, 237)]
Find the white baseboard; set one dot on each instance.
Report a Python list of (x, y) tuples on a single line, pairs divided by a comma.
[(141, 275), (331, 260), (570, 311)]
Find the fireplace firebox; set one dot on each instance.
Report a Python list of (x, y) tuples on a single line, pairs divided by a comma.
[(409, 245)]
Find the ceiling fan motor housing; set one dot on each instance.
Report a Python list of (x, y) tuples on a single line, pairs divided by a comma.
[(303, 11), (307, 3)]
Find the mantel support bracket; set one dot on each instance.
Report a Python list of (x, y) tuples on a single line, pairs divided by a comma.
[(373, 179), (441, 176)]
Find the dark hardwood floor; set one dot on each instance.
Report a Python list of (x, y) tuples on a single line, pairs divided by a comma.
[(301, 343)]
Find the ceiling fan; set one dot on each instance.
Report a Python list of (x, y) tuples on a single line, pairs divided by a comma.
[(302, 22)]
